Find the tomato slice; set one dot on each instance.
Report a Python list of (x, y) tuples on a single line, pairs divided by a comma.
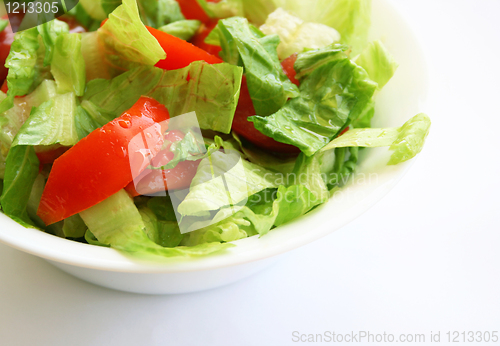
[(49, 154), (152, 181), (191, 9), (104, 162), (179, 52), (288, 68), (179, 177), (6, 39), (199, 39)]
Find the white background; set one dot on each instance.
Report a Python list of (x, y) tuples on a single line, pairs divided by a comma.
[(425, 259)]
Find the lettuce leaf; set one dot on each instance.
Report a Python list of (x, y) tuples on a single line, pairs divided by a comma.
[(95, 62), (68, 64), (117, 222), (163, 233), (53, 122), (307, 173), (127, 41), (157, 13), (263, 211), (21, 170), (406, 141), (29, 59), (183, 29), (49, 32), (377, 61), (22, 64), (258, 10), (245, 45), (105, 100), (334, 91), (12, 120), (224, 8), (224, 180), (351, 18), (296, 34)]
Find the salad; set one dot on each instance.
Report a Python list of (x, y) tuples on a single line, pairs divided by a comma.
[(175, 127)]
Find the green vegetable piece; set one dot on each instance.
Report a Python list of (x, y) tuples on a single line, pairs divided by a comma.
[(68, 64), (245, 45), (116, 221), (184, 29), (21, 170), (379, 64)]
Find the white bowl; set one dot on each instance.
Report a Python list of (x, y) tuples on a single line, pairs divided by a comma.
[(401, 99)]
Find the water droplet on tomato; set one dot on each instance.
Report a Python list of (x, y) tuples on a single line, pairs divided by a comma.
[(125, 123)]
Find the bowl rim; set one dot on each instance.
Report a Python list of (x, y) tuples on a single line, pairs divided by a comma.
[(251, 249)]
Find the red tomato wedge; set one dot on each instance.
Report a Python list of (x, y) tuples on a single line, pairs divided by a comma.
[(6, 39), (179, 177), (104, 162), (191, 9), (152, 181), (49, 154), (288, 68), (179, 52), (199, 39)]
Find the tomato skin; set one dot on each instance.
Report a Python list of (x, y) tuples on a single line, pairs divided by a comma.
[(179, 177), (152, 181), (247, 130), (6, 39), (199, 39), (288, 68), (49, 155), (179, 52), (191, 9), (102, 163)]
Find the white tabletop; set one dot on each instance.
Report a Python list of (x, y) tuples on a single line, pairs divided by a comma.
[(424, 260)]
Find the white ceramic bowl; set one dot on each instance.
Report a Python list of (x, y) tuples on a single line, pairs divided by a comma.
[(401, 99)]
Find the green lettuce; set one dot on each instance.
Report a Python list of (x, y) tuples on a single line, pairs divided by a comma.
[(223, 8), (334, 91), (49, 33), (21, 170), (3, 24), (95, 62), (278, 163), (258, 10), (105, 100), (74, 227), (84, 18), (406, 141), (117, 222), (225, 180), (158, 13), (12, 120), (296, 34), (23, 66), (127, 41), (307, 173), (245, 45), (68, 64), (29, 59), (183, 29), (162, 232), (263, 211), (53, 122), (377, 61)]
